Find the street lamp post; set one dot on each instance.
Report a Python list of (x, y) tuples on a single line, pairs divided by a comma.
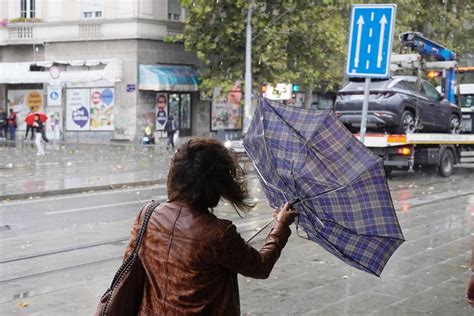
[(248, 70)]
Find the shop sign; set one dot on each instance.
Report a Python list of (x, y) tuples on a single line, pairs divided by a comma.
[(131, 87), (54, 96)]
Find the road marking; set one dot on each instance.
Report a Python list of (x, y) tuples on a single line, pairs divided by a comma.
[(360, 23), (159, 198), (368, 48), (370, 32), (383, 22), (367, 64), (372, 16), (83, 194)]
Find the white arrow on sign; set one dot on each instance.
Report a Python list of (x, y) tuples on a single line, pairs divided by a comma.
[(382, 23), (360, 22)]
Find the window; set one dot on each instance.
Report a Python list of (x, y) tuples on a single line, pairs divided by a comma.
[(174, 16), (92, 14), (27, 8), (92, 9), (174, 10), (430, 91)]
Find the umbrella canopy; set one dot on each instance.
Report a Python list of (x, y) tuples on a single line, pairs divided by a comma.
[(30, 118), (344, 200)]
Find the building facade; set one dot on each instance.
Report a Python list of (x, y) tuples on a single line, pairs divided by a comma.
[(102, 69)]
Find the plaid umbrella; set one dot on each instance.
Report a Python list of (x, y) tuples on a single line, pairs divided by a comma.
[(344, 202)]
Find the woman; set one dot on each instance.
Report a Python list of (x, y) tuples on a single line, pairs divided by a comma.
[(39, 129), (191, 257)]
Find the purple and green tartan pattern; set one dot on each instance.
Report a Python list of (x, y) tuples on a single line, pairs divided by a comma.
[(345, 205)]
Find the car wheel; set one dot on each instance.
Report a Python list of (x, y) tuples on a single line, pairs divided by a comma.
[(446, 163), (454, 124), (407, 123)]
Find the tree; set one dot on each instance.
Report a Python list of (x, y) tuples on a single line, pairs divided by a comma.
[(293, 41), (304, 41)]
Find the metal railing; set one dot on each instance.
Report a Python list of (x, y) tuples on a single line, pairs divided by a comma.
[(20, 32), (90, 30)]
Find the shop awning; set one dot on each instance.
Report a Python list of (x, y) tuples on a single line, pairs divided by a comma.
[(168, 78), (14, 73)]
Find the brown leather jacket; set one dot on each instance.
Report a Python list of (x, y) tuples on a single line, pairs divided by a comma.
[(192, 259)]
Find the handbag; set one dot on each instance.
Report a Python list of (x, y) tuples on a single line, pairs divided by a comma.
[(125, 294)]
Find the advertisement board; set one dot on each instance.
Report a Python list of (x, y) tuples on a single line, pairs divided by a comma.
[(161, 111), (102, 109), (78, 109), (23, 102), (226, 109)]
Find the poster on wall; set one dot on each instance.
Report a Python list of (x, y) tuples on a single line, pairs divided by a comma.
[(226, 109), (54, 123), (77, 109), (102, 109), (161, 111), (23, 102)]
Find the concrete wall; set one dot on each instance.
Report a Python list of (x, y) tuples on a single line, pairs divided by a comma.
[(201, 116), (158, 52)]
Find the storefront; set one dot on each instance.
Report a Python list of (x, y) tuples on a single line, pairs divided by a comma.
[(176, 86), (78, 95)]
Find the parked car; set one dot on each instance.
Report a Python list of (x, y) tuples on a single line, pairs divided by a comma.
[(398, 105)]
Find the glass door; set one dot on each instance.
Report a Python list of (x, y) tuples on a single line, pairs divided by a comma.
[(180, 109)]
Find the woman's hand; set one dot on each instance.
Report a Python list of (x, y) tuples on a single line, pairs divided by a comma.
[(285, 214)]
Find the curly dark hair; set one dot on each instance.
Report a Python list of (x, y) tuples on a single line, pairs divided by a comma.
[(202, 172)]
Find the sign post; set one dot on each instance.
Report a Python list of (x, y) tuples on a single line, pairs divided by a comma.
[(370, 47)]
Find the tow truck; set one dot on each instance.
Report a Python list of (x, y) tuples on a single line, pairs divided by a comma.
[(407, 151), (465, 96)]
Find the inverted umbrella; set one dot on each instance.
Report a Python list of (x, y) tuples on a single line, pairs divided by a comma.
[(30, 118), (342, 195)]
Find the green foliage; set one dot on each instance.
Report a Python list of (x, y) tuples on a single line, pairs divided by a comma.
[(25, 20), (304, 41)]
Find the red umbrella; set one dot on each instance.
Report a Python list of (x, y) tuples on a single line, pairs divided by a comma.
[(30, 118)]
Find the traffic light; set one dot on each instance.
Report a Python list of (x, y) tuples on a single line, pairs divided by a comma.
[(434, 74), (263, 90), (296, 87)]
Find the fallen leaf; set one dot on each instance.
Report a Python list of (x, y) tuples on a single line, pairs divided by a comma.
[(23, 304)]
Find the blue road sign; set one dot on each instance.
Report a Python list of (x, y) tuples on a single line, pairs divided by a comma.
[(370, 40)]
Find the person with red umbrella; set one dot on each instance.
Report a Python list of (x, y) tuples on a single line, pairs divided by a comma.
[(37, 120)]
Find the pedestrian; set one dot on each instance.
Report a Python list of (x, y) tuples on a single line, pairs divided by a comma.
[(191, 257), (470, 282), (3, 123), (29, 128), (39, 129), (12, 124), (170, 128)]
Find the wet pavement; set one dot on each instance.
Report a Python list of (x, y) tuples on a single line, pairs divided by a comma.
[(72, 168), (59, 254)]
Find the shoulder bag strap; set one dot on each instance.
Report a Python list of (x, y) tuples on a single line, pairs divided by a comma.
[(146, 219)]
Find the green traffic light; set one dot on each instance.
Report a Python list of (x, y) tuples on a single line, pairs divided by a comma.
[(296, 88)]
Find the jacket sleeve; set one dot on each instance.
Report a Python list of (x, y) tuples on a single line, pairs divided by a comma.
[(134, 233), (234, 253)]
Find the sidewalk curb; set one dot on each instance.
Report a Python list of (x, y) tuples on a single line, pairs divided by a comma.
[(26, 196)]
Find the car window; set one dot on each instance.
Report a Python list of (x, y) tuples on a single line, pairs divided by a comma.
[(429, 90), (407, 85)]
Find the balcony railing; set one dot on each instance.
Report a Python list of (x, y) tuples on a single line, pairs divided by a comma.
[(90, 30), (20, 32), (79, 30)]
